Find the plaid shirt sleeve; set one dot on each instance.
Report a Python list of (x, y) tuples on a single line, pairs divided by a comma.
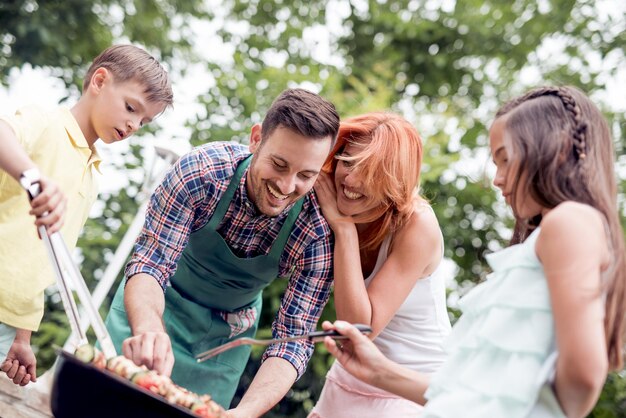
[(170, 217), (305, 297)]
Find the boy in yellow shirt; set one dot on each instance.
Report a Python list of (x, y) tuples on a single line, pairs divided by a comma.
[(124, 88)]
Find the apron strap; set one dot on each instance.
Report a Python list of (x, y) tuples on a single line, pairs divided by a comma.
[(222, 204)]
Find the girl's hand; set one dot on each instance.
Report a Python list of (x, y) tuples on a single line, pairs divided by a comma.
[(358, 355), (327, 196)]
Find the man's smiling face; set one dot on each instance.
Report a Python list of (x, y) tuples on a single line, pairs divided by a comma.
[(284, 168)]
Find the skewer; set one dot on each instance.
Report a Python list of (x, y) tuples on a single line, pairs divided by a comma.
[(68, 275)]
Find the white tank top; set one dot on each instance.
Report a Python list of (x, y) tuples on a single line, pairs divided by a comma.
[(415, 334)]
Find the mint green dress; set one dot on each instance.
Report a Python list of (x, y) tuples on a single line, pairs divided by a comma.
[(502, 351)]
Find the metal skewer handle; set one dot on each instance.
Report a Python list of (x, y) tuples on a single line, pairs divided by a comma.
[(67, 275), (106, 344), (315, 336), (66, 294)]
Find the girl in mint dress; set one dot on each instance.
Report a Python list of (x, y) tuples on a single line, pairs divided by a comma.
[(539, 336)]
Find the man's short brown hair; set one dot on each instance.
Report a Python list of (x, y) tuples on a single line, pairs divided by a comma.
[(303, 112), (129, 62)]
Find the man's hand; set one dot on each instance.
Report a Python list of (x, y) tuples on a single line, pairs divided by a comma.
[(270, 384), (20, 364), (235, 413), (150, 345), (150, 349)]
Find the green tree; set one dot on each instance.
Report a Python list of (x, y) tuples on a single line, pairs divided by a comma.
[(444, 65), (446, 68), (63, 37)]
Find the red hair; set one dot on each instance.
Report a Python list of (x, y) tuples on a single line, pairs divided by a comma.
[(389, 163)]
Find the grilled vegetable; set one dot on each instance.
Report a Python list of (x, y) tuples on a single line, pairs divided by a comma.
[(152, 381), (90, 354), (201, 406), (123, 367)]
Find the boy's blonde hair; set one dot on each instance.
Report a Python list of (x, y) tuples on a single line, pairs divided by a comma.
[(128, 62)]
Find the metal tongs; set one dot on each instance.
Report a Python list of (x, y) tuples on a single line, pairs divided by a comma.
[(313, 337), (69, 276)]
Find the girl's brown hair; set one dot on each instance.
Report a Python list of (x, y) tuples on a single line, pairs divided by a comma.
[(562, 151), (389, 163)]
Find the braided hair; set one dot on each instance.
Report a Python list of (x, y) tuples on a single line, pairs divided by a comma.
[(561, 150), (579, 125)]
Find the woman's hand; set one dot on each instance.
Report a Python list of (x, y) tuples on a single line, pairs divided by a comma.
[(327, 196)]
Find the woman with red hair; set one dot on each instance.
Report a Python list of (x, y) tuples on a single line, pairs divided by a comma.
[(387, 257), (538, 337)]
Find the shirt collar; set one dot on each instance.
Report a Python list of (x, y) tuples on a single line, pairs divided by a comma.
[(78, 138)]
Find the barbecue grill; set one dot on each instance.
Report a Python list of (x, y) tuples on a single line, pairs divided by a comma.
[(81, 390)]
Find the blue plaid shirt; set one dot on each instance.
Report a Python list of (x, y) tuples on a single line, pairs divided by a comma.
[(185, 201)]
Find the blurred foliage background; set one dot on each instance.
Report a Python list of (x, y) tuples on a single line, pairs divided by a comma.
[(445, 65)]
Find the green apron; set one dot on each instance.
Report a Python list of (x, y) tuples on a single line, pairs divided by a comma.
[(209, 284)]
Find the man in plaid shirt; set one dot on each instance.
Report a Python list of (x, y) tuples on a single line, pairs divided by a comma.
[(225, 222)]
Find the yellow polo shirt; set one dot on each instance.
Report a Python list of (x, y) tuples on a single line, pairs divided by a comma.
[(56, 144)]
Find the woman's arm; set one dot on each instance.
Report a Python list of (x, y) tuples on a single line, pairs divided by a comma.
[(415, 252), (351, 299), (573, 251)]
